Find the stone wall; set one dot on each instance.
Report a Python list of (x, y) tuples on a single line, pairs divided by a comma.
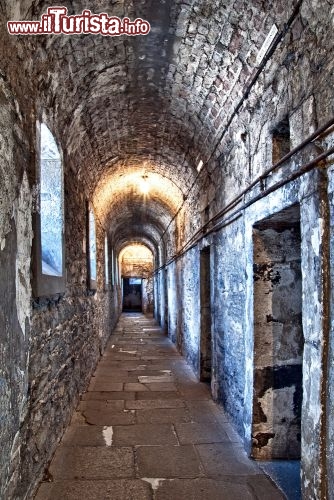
[(293, 84), (49, 345), (329, 376), (228, 328), (15, 306), (148, 296), (68, 334)]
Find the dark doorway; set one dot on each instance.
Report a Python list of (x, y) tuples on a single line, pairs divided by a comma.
[(132, 294), (166, 329), (278, 337), (205, 291)]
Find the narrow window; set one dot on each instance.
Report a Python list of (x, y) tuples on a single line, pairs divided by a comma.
[(106, 261), (51, 205), (112, 268), (280, 140), (48, 256), (92, 250), (117, 272)]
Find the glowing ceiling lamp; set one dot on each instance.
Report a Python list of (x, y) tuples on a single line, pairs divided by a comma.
[(144, 185)]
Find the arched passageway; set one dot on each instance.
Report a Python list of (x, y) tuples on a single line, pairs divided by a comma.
[(136, 261), (208, 142)]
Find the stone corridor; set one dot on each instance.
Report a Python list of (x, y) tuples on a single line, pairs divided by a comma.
[(147, 429)]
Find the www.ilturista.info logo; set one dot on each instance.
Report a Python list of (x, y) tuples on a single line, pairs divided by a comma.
[(57, 22)]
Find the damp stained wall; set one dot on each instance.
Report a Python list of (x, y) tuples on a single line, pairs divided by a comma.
[(289, 86), (15, 289), (278, 338)]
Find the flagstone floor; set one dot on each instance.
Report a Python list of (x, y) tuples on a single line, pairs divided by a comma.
[(147, 429)]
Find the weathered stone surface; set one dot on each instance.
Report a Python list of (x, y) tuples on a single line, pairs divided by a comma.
[(112, 490), (201, 489), (144, 434), (218, 458), (88, 462), (15, 287), (108, 396), (104, 385), (168, 461), (196, 433), (157, 395), (83, 435), (135, 387), (153, 404), (165, 415), (96, 404), (109, 417), (157, 450)]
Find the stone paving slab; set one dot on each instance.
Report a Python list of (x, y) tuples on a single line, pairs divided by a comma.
[(154, 404), (104, 384), (196, 433), (203, 411), (183, 375), (122, 356), (159, 358), (132, 364), (131, 342), (92, 463), (109, 417), (158, 395), (116, 376), (107, 396), (165, 364), (163, 415), (263, 488), (122, 489), (192, 387), (152, 373), (161, 386), (135, 387), (220, 459), (79, 435), (168, 461), (96, 404), (156, 379), (144, 434), (195, 394), (202, 489)]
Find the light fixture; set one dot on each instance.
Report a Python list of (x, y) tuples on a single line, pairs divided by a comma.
[(144, 185), (200, 165)]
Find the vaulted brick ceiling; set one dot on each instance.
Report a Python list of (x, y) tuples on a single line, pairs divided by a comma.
[(155, 103)]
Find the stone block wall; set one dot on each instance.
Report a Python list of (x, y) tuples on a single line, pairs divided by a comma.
[(293, 84), (67, 336), (49, 345), (15, 288)]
